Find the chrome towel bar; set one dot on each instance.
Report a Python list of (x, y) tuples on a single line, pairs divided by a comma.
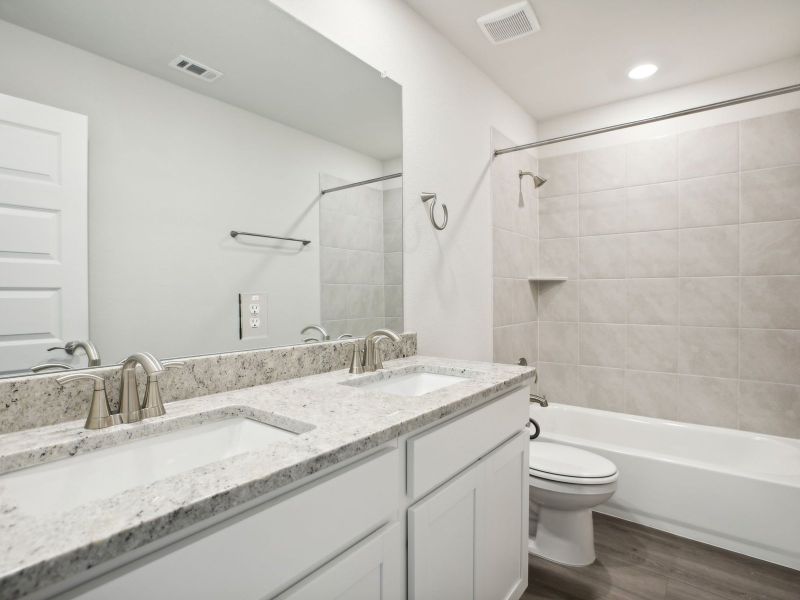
[(273, 237)]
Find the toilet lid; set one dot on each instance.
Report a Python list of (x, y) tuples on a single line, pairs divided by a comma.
[(566, 461)]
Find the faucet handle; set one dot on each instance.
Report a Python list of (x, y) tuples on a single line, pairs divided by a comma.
[(357, 364), (99, 412), (153, 405), (173, 363)]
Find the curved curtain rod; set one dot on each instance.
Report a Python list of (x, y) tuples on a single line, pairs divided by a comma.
[(358, 183), (680, 113)]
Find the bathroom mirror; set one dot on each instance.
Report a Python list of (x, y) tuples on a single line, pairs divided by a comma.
[(161, 168)]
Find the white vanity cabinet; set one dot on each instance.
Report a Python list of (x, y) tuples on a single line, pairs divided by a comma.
[(468, 539), (437, 515)]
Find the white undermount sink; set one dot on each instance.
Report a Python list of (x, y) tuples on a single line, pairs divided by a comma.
[(65, 484), (413, 384)]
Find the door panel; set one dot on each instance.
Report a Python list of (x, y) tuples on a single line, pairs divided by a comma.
[(43, 231)]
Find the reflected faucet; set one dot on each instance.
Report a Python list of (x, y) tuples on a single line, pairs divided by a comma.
[(48, 366), (88, 347), (323, 333)]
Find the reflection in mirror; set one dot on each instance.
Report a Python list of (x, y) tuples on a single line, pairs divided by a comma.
[(135, 137)]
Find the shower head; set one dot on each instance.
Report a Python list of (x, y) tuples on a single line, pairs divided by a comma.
[(537, 181)]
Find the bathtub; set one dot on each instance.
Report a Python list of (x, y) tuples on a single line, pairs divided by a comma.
[(732, 489)]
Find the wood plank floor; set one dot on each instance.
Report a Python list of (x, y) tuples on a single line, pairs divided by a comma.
[(639, 563)]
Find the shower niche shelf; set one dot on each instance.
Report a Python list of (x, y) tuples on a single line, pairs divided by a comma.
[(547, 279)]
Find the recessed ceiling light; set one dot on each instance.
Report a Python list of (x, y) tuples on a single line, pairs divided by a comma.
[(642, 71)]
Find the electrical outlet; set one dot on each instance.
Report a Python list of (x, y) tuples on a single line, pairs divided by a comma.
[(252, 315)]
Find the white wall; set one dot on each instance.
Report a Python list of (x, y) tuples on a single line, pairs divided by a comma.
[(767, 77), (449, 106), (170, 173)]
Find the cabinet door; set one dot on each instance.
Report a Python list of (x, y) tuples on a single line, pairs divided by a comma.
[(442, 541), (468, 539), (372, 570), (503, 548)]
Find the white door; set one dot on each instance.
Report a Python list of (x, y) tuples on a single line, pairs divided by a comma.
[(43, 231), (468, 539), (503, 551), (443, 539), (372, 570)]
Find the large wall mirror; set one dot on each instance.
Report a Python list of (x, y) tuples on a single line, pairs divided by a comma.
[(135, 137)]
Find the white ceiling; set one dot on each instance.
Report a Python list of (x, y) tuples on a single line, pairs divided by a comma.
[(272, 64), (582, 54)]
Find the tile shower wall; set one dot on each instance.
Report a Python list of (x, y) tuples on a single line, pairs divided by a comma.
[(361, 276), (683, 258), (515, 237)]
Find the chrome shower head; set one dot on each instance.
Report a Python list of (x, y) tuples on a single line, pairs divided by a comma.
[(537, 181)]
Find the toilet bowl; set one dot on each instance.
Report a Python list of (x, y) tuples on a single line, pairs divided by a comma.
[(565, 484)]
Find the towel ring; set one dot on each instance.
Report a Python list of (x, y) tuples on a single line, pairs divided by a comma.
[(429, 196)]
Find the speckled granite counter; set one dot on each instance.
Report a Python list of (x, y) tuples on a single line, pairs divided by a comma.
[(334, 422)]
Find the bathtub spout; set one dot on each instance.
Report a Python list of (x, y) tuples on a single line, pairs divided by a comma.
[(540, 400)]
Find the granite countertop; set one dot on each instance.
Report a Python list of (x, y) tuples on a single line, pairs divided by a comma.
[(334, 422)]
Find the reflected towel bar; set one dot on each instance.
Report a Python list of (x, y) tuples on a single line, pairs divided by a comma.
[(358, 183), (272, 237)]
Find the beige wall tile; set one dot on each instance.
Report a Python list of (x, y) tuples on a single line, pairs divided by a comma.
[(559, 382), (502, 345), (603, 300), (653, 348), (502, 301), (393, 268), (771, 355), (558, 301), (708, 151), (559, 257), (652, 161), (601, 169), (602, 345), (711, 351), (525, 342), (653, 301), (709, 301), (602, 388), (709, 201), (561, 173), (708, 401), (558, 217), (558, 342), (770, 248), (394, 300), (770, 141), (651, 394), (603, 212), (333, 265), (771, 194), (771, 302), (653, 254), (708, 251), (770, 408), (603, 257), (523, 305), (334, 303), (653, 207)]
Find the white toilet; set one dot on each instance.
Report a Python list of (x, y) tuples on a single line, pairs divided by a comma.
[(565, 484)]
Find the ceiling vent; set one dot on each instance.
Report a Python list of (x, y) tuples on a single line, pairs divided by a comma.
[(195, 69), (509, 23)]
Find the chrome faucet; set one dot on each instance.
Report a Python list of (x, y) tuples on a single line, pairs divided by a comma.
[(130, 409), (372, 356), (320, 329), (100, 415), (48, 366), (88, 347), (540, 400)]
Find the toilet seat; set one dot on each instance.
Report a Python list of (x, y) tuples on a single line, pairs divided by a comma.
[(566, 464)]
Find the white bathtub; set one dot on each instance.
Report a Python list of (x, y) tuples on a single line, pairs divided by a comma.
[(732, 489)]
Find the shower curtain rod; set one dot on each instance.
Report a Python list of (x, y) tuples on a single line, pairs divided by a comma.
[(357, 183), (680, 113)]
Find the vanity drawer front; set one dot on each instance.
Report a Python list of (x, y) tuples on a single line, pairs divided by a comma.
[(435, 456), (263, 551)]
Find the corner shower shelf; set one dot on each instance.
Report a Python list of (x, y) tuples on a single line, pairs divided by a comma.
[(547, 279)]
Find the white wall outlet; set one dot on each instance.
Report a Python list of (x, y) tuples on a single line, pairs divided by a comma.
[(252, 315)]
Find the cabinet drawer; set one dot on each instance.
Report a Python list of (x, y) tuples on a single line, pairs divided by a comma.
[(438, 454), (263, 551)]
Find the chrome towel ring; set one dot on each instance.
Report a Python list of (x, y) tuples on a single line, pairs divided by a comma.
[(429, 196)]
